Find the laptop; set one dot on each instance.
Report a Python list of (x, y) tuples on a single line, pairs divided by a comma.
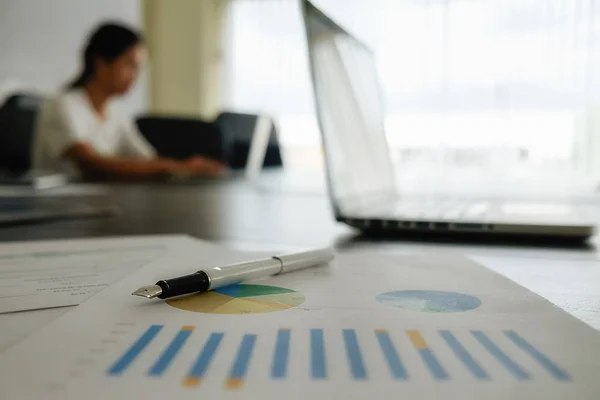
[(243, 162), (360, 176), (36, 180), (32, 209)]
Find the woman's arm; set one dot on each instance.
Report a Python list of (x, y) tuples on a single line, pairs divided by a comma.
[(94, 166)]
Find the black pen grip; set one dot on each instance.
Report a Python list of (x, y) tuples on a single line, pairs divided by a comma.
[(188, 284)]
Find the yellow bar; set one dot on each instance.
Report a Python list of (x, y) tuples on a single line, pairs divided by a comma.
[(234, 383), (380, 331), (192, 381), (285, 329), (416, 339), (188, 328)]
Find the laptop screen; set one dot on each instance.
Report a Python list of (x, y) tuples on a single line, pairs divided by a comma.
[(350, 111)]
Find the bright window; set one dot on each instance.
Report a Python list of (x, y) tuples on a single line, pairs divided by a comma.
[(496, 84)]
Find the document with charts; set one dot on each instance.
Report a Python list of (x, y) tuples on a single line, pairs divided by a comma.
[(366, 327), (61, 273)]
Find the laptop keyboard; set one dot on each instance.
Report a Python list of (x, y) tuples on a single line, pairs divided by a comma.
[(442, 210)]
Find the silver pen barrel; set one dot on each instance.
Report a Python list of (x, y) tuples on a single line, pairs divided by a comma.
[(307, 259), (236, 273)]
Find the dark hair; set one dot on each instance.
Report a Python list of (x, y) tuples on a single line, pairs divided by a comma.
[(108, 42)]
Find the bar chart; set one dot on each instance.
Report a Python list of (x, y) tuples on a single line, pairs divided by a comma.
[(440, 353)]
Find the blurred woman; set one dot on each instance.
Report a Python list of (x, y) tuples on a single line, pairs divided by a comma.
[(78, 133)]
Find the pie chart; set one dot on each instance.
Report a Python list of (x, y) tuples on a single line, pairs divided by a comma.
[(240, 299), (429, 301)]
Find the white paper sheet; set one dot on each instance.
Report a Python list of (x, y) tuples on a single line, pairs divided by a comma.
[(354, 330), (49, 274), (17, 326)]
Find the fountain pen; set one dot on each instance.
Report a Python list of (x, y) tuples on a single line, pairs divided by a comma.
[(213, 278)]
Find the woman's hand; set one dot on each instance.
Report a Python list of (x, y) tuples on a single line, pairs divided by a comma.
[(205, 166), (197, 166)]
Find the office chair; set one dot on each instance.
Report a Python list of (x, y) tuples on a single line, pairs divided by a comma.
[(238, 130), (17, 126), (180, 138)]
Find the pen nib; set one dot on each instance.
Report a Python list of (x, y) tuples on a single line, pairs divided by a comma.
[(148, 292)]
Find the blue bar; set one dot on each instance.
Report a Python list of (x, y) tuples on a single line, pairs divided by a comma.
[(242, 358), (500, 356), (552, 368), (391, 355), (464, 356), (317, 354), (204, 358), (282, 351), (170, 352), (436, 369), (130, 355), (434, 366), (357, 367)]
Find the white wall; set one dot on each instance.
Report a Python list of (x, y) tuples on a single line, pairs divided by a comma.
[(41, 41)]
